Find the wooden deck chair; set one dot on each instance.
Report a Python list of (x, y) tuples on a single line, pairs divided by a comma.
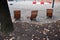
[(49, 13), (33, 14), (17, 14)]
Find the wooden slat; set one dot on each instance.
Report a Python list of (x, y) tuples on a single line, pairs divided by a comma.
[(49, 13), (17, 14), (33, 14)]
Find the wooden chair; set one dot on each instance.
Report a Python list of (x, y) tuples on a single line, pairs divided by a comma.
[(17, 14), (49, 13), (33, 14)]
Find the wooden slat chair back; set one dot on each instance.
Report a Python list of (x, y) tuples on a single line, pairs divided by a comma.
[(17, 14), (49, 13), (33, 14)]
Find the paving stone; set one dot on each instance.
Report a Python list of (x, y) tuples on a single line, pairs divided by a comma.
[(30, 31)]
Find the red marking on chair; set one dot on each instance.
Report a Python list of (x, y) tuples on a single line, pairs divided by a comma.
[(34, 2), (41, 2), (49, 2)]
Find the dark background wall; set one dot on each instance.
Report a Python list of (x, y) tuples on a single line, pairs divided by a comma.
[(10, 0)]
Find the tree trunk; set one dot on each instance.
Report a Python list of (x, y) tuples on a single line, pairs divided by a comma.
[(5, 18)]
